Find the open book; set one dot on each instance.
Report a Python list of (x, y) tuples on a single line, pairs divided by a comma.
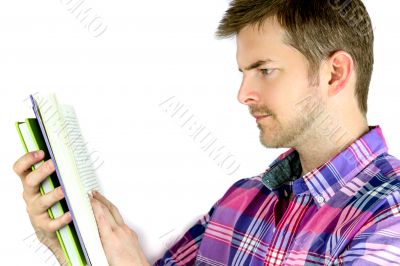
[(56, 131)]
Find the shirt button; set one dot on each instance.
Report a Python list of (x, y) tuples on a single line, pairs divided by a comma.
[(320, 199)]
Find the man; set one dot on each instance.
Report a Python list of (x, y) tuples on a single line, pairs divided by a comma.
[(332, 198)]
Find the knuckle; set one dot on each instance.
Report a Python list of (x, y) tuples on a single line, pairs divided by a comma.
[(28, 182), (22, 163), (48, 165), (16, 168), (50, 199), (43, 169), (52, 226), (41, 204)]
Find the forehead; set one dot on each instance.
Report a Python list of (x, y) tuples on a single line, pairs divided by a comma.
[(254, 42)]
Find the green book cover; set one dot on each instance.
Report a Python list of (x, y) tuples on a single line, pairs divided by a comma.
[(32, 139)]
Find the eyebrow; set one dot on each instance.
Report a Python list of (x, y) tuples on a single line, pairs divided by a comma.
[(257, 64)]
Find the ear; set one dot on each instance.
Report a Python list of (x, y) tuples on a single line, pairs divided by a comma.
[(340, 66)]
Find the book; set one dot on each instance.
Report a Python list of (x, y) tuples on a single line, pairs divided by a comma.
[(32, 140), (56, 131)]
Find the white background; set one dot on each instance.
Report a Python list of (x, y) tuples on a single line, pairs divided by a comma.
[(160, 179)]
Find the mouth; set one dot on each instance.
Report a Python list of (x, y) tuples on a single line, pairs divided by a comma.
[(259, 118)]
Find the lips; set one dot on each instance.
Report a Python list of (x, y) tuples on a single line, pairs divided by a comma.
[(258, 117)]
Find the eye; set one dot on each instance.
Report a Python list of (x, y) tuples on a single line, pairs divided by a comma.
[(266, 71)]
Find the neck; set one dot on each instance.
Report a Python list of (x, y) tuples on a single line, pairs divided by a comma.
[(326, 141)]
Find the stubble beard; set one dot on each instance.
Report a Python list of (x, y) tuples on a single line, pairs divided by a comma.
[(289, 134)]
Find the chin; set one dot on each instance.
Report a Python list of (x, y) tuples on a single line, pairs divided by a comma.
[(268, 140), (273, 140)]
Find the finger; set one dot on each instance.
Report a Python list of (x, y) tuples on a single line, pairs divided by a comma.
[(35, 178), (43, 203), (58, 223), (111, 207), (23, 165), (105, 222)]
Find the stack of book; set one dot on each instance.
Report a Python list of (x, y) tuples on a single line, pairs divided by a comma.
[(56, 131)]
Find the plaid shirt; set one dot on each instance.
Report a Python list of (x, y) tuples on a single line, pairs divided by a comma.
[(346, 211)]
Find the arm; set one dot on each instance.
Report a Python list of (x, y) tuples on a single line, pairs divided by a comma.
[(185, 250)]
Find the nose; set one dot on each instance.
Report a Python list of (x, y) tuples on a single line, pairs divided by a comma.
[(248, 94)]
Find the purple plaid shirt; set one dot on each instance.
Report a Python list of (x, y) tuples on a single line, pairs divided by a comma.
[(346, 211)]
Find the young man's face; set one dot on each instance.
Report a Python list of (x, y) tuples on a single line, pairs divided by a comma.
[(277, 87)]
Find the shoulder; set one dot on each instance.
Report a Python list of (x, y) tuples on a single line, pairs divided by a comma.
[(388, 166), (383, 188), (385, 172)]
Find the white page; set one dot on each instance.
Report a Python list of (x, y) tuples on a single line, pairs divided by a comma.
[(61, 144), (79, 148)]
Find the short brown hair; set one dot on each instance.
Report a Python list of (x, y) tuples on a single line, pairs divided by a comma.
[(316, 28)]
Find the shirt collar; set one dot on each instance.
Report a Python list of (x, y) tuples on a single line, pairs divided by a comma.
[(323, 182)]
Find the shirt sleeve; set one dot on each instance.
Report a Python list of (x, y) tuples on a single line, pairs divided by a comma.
[(379, 244), (184, 251)]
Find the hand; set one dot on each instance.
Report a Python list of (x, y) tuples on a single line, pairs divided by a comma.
[(37, 204), (120, 243)]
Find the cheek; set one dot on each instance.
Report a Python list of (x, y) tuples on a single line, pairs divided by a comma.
[(273, 94), (281, 96)]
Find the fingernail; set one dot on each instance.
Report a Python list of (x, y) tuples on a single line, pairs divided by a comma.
[(50, 164), (60, 191), (38, 154)]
